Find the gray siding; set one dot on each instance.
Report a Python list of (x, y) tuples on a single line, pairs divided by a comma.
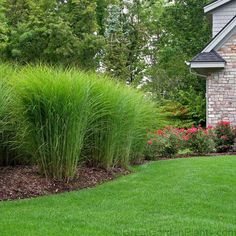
[(222, 15)]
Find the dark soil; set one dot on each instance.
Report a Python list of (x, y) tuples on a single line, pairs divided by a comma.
[(25, 182)]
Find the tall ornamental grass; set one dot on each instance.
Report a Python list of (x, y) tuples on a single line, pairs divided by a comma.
[(54, 110), (68, 117), (117, 135), (145, 119), (111, 131), (6, 127)]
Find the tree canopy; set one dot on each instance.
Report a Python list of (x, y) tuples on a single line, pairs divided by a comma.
[(54, 32), (132, 40)]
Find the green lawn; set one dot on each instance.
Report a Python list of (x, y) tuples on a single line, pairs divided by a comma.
[(178, 197)]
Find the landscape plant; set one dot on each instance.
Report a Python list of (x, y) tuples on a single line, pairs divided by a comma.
[(66, 117), (199, 140), (6, 126), (165, 143), (117, 135), (170, 141), (224, 136), (53, 111)]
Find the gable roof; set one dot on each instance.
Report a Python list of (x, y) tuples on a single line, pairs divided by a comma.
[(209, 54), (215, 4), (209, 59), (221, 35)]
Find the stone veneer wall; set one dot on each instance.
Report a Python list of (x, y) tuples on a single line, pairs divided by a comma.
[(221, 87)]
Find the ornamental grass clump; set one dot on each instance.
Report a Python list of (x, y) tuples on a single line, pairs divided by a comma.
[(145, 116), (114, 135), (53, 112), (68, 117), (7, 128)]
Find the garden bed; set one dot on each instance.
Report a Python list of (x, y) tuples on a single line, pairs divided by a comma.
[(25, 182), (20, 182)]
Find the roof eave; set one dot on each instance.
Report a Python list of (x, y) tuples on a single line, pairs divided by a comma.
[(207, 65), (212, 6), (206, 69)]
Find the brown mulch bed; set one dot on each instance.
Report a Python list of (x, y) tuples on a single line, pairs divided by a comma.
[(21, 182)]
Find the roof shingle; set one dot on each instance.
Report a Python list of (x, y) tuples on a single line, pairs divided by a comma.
[(212, 56)]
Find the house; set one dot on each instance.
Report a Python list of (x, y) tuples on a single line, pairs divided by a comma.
[(217, 62)]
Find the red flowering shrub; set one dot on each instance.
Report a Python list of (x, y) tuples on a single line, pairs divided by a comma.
[(169, 141), (199, 140), (165, 143), (224, 136)]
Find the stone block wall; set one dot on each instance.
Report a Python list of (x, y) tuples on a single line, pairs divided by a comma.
[(221, 87)]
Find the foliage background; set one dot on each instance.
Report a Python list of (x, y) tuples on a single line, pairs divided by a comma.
[(138, 42)]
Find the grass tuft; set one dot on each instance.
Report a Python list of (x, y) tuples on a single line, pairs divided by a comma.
[(66, 117), (6, 127)]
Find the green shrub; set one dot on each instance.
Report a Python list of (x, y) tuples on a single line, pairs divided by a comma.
[(172, 113)]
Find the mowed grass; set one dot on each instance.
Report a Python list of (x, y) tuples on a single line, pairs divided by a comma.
[(177, 197)]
